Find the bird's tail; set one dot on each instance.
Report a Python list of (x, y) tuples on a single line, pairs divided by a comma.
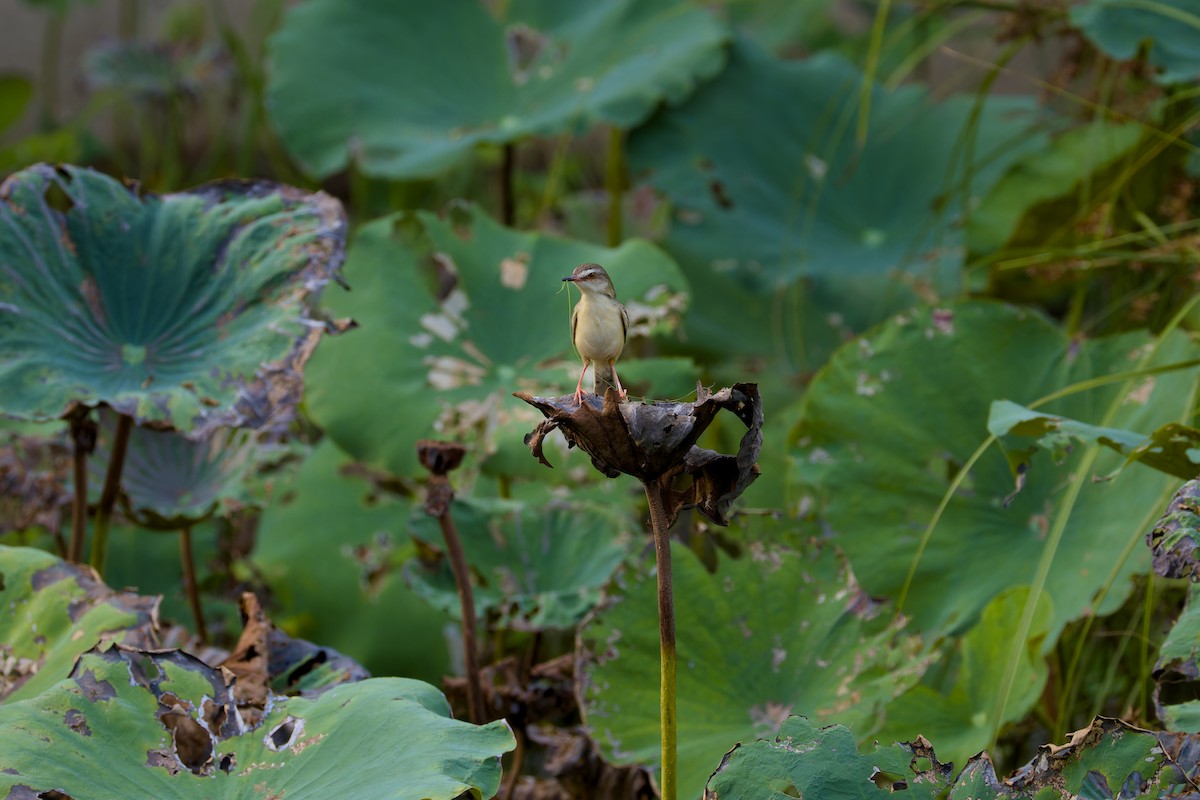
[(602, 375)]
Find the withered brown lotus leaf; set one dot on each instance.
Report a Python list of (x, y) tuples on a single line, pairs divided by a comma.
[(656, 442)]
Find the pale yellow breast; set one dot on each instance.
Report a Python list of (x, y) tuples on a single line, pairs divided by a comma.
[(599, 331)]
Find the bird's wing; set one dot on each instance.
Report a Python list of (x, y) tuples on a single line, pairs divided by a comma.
[(574, 325), (624, 323)]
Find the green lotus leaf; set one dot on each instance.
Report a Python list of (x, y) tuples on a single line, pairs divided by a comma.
[(1122, 27), (1110, 758), (538, 565), (329, 547), (538, 68), (186, 310), (803, 760), (425, 367), (53, 611), (1173, 448), (164, 724), (774, 633), (892, 419), (1178, 670), (798, 199), (957, 709)]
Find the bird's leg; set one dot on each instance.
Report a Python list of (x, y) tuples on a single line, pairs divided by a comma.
[(579, 386), (624, 394)]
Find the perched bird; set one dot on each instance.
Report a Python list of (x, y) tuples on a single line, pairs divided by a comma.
[(598, 327)]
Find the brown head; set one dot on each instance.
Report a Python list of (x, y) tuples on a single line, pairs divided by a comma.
[(592, 278)]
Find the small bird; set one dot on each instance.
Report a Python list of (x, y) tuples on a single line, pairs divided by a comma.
[(598, 327)]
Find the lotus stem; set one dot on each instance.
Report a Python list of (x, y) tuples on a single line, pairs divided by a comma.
[(440, 458), (613, 174), (656, 498), (83, 438), (108, 496), (466, 599), (189, 581)]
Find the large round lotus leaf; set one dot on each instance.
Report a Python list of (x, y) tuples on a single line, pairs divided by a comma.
[(892, 418), (798, 198), (52, 612), (423, 368), (406, 90), (538, 565), (128, 723), (328, 545), (771, 634), (1122, 27), (181, 310)]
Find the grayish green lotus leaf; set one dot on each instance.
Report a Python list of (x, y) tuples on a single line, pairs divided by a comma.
[(795, 198), (186, 310), (171, 481), (53, 611), (892, 419), (1110, 758), (774, 633), (1170, 29), (164, 724), (329, 546), (538, 68), (455, 314), (537, 565)]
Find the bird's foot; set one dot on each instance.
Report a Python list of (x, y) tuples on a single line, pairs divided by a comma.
[(579, 397)]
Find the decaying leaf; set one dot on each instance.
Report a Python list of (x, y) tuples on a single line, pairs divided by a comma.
[(1176, 535), (655, 442), (34, 475), (52, 611), (1177, 672), (164, 724)]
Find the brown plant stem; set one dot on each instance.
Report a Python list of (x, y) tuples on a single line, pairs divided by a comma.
[(189, 581), (108, 495), (83, 439), (656, 498), (508, 203), (466, 598)]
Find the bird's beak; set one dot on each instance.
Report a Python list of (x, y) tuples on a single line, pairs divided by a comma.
[(570, 278)]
